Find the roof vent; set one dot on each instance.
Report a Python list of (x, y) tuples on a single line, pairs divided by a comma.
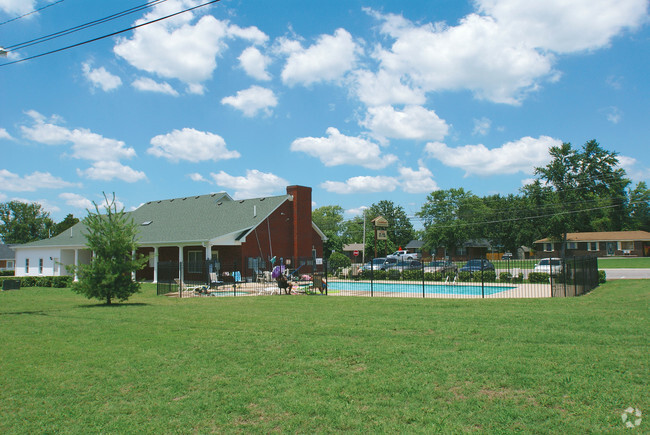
[(171, 200), (184, 198), (262, 199), (219, 203), (145, 223), (242, 201), (196, 197)]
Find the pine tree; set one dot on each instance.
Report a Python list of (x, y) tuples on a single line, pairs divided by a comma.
[(112, 239)]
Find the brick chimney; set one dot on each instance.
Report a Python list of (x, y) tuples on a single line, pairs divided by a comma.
[(302, 230)]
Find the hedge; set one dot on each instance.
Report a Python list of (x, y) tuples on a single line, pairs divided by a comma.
[(41, 281), (538, 278)]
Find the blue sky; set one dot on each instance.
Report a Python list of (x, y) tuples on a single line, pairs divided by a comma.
[(362, 101)]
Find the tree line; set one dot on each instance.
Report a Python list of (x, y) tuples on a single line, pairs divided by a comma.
[(579, 190)]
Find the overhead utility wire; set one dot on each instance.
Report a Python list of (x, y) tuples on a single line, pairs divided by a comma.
[(82, 26), (110, 34), (30, 13)]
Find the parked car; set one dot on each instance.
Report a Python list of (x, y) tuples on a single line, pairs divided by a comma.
[(507, 256), (388, 263), (374, 264), (476, 265), (443, 266), (552, 266), (405, 265), (404, 255)]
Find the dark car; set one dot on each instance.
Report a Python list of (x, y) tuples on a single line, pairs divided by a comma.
[(476, 265), (443, 266), (389, 263), (405, 265)]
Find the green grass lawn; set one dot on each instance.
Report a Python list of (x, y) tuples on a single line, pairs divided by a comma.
[(624, 263), (323, 364)]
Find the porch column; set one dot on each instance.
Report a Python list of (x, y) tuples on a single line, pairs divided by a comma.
[(155, 264), (133, 278), (76, 263), (181, 268), (208, 251)]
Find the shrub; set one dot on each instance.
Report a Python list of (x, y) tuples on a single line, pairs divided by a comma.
[(338, 260), (602, 277), (464, 276), (430, 276), (505, 277), (488, 276), (6, 273), (412, 275), (538, 278), (380, 274), (394, 274), (518, 279)]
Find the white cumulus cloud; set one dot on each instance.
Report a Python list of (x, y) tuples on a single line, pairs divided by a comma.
[(254, 184), (178, 48), (253, 100), (362, 184), (417, 180), (101, 78), (30, 183), (191, 145), (150, 85), (17, 7), (522, 155), (414, 122), (255, 63), (329, 59), (110, 170), (338, 149), (4, 134), (77, 201)]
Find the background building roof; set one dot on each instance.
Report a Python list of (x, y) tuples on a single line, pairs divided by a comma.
[(602, 236)]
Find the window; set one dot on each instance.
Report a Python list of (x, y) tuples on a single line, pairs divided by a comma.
[(572, 245), (548, 247), (194, 259), (26, 265), (627, 246), (40, 266), (10, 264), (592, 246), (461, 251)]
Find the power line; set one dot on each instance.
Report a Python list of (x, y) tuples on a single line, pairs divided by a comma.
[(110, 34), (32, 12), (82, 26)]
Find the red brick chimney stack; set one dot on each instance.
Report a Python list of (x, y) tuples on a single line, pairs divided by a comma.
[(302, 231)]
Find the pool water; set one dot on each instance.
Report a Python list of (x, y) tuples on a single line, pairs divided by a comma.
[(446, 289)]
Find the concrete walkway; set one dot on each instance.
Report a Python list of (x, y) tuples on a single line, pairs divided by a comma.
[(627, 273)]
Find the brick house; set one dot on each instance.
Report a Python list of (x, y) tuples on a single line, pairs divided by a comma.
[(601, 244), (7, 258), (240, 234)]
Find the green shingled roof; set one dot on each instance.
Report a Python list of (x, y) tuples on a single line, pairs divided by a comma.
[(185, 220)]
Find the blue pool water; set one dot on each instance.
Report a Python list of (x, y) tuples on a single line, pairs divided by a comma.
[(446, 289)]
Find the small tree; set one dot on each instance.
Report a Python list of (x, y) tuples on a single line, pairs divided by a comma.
[(112, 239)]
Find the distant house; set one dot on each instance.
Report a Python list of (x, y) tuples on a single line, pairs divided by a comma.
[(241, 234), (7, 258), (601, 244), (351, 248)]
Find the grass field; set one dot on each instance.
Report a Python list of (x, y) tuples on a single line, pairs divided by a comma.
[(323, 364), (624, 263)]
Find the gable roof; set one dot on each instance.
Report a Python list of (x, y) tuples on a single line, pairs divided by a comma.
[(6, 253), (603, 236), (193, 219)]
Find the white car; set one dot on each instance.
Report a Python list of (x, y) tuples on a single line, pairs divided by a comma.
[(404, 255), (552, 266)]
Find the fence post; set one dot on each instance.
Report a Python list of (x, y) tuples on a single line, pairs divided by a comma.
[(180, 279), (422, 269), (482, 280)]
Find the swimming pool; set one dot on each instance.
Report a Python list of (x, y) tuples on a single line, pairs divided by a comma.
[(417, 288)]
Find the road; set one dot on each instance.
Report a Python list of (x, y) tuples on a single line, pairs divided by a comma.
[(627, 273)]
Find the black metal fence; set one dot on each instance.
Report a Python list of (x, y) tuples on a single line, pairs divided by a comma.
[(434, 278), (470, 278), (256, 277)]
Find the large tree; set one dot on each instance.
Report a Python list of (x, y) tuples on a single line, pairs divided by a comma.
[(452, 217), (329, 218), (112, 239), (639, 207), (589, 188), (66, 223), (400, 229), (22, 223)]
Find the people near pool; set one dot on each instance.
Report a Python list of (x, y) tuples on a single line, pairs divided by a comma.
[(284, 284)]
